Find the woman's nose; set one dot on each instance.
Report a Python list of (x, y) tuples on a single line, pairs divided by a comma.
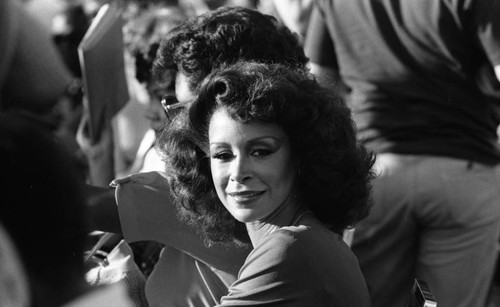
[(240, 170)]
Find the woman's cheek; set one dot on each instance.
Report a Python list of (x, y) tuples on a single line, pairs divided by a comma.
[(218, 179)]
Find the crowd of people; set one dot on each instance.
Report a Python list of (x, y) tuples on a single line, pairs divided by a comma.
[(271, 153)]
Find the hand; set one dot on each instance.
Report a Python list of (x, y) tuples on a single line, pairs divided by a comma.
[(100, 153)]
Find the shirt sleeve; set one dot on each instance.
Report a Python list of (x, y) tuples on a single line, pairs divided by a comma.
[(299, 267), (318, 45), (147, 212), (273, 275)]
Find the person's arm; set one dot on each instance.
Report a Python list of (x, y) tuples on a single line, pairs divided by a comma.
[(100, 154), (320, 49), (270, 275), (329, 77), (147, 211), (299, 268), (295, 15), (487, 25), (497, 72), (102, 209)]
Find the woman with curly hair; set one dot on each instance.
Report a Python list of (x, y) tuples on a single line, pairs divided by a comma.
[(264, 148), (140, 206)]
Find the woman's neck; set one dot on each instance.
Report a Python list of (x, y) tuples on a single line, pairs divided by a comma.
[(284, 215)]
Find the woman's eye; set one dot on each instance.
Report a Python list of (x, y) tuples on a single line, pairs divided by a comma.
[(224, 156), (261, 152)]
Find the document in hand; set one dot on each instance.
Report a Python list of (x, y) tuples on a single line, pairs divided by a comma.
[(102, 63)]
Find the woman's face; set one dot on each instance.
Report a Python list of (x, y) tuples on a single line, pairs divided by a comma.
[(252, 166)]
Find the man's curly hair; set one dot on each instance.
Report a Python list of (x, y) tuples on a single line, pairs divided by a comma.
[(334, 170), (221, 37)]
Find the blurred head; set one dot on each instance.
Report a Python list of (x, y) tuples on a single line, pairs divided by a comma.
[(42, 207), (271, 131)]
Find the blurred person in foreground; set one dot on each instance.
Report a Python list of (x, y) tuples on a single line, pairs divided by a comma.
[(33, 77), (188, 273), (42, 211), (34, 80), (421, 76)]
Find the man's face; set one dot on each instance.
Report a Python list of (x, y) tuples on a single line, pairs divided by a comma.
[(155, 112)]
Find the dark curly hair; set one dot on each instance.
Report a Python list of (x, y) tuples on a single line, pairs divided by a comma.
[(221, 37), (335, 171)]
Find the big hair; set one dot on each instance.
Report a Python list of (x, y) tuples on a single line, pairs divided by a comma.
[(222, 37), (334, 170)]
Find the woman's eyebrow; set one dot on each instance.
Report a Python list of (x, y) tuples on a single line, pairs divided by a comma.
[(276, 139)]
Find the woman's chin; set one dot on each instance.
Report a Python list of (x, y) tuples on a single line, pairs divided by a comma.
[(245, 217)]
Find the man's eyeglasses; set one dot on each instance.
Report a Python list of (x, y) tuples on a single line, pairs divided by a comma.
[(170, 103)]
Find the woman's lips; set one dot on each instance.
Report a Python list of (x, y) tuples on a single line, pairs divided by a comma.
[(245, 196)]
